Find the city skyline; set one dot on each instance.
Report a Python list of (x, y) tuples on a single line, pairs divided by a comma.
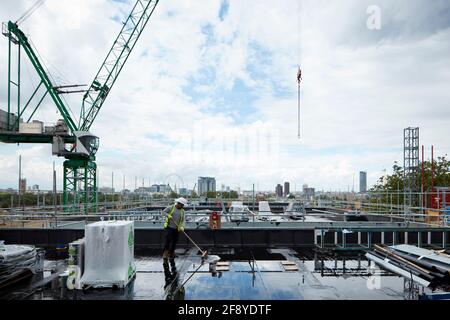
[(148, 184)]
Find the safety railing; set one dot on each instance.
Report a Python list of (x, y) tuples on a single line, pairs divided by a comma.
[(237, 220)]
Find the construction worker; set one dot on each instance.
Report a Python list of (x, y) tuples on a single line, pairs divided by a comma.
[(173, 225)]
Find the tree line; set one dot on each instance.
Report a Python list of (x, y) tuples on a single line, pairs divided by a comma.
[(394, 183)]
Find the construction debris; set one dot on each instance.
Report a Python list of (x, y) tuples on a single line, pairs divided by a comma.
[(289, 266), (16, 261), (426, 267)]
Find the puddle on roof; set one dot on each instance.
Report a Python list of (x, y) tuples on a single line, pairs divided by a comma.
[(317, 277)]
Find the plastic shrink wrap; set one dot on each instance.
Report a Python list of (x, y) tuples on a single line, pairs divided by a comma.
[(109, 254), (15, 260)]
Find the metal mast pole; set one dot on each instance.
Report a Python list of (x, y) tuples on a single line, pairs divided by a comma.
[(20, 177), (432, 176), (422, 188), (18, 80), (54, 194), (112, 188), (9, 81)]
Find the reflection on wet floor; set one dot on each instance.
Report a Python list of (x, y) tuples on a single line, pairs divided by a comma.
[(242, 274)]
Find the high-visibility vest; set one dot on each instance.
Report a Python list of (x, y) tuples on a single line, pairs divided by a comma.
[(169, 217)]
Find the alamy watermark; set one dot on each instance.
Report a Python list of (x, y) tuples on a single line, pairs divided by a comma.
[(374, 280), (254, 147), (374, 19)]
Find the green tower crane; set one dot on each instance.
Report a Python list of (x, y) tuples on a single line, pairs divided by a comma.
[(70, 139)]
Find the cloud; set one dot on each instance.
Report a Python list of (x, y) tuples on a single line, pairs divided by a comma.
[(210, 88)]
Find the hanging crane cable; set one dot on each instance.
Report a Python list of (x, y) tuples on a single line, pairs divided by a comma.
[(299, 80), (30, 11), (299, 72)]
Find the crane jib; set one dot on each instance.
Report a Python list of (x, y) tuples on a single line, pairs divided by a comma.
[(114, 62), (23, 42)]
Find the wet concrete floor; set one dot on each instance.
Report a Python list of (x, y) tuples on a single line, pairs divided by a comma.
[(263, 274)]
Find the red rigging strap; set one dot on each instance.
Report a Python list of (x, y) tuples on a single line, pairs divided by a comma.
[(299, 75)]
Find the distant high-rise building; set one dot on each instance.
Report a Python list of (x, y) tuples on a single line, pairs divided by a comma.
[(286, 189), (23, 185), (362, 181), (279, 190), (206, 184), (158, 188), (308, 193)]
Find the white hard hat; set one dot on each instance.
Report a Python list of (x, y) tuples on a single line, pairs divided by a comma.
[(183, 201)]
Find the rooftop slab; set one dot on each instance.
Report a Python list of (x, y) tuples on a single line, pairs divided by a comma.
[(252, 274)]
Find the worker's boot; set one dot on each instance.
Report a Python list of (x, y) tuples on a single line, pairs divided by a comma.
[(166, 254)]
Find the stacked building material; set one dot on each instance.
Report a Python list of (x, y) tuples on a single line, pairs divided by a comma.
[(16, 261), (12, 120), (426, 267), (109, 254), (75, 264)]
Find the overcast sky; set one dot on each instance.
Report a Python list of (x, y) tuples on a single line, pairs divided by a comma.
[(210, 89)]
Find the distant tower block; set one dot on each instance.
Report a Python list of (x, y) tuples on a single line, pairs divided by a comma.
[(410, 165), (286, 189), (23, 185), (279, 191), (362, 181), (206, 184)]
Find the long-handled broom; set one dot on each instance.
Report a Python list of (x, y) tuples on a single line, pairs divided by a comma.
[(204, 253)]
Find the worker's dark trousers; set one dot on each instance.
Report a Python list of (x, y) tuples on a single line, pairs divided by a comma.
[(171, 239)]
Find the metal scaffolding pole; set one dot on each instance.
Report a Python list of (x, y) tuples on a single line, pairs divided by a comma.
[(410, 165)]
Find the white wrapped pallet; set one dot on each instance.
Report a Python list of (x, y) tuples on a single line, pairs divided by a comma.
[(109, 254)]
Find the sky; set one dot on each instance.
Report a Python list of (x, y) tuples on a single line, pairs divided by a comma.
[(210, 89)]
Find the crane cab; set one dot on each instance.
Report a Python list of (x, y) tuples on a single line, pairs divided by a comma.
[(85, 146), (86, 143)]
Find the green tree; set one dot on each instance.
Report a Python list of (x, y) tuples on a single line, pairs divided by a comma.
[(211, 194), (228, 195), (394, 182), (5, 200), (233, 195)]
